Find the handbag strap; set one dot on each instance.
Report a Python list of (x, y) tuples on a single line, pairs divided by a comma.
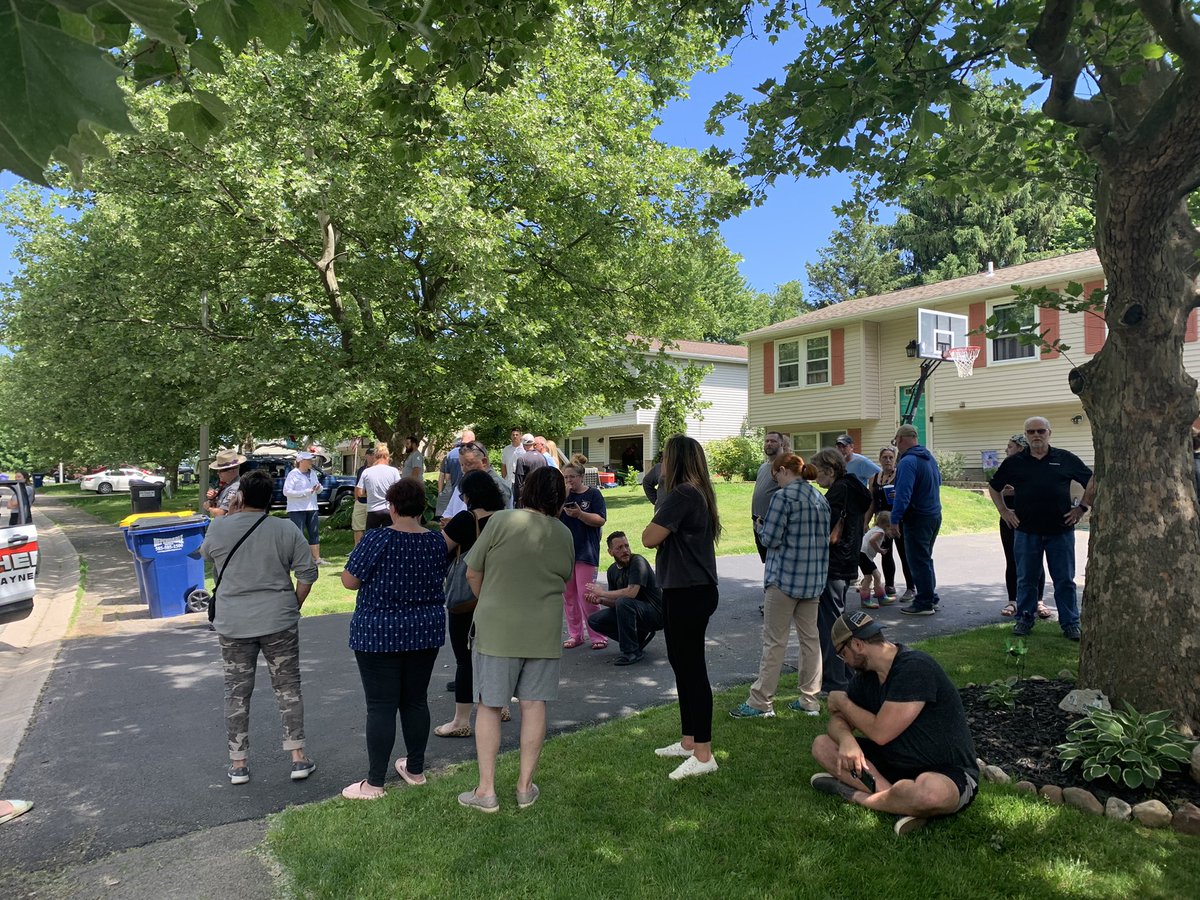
[(224, 565)]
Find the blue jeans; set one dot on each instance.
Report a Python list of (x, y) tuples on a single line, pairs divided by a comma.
[(1059, 551), (920, 532), (835, 674), (306, 520)]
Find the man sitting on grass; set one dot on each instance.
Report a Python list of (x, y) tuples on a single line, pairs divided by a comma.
[(916, 757)]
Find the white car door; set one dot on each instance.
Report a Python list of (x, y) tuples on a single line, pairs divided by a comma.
[(18, 553)]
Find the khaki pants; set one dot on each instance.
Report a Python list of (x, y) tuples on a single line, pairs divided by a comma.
[(780, 612)]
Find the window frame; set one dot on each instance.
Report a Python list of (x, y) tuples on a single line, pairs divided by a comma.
[(802, 361), (1033, 356)]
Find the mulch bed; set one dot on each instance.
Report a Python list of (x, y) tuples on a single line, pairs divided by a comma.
[(1021, 741)]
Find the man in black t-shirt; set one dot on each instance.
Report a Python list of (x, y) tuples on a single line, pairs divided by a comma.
[(632, 612), (915, 756), (526, 463), (1043, 522)]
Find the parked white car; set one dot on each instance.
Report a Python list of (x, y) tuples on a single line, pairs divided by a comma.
[(117, 480)]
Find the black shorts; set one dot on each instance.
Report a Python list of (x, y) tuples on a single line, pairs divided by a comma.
[(966, 780)]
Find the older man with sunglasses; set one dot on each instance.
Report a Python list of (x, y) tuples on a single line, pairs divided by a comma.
[(1043, 518)]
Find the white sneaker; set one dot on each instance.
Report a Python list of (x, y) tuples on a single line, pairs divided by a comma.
[(675, 749), (324, 562), (692, 766)]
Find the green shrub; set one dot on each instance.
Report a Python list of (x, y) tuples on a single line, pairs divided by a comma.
[(1126, 747), (1002, 693), (734, 456), (951, 465)]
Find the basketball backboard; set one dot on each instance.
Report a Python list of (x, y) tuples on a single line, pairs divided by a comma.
[(939, 331)]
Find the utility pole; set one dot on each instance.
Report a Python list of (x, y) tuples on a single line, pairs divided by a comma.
[(202, 463)]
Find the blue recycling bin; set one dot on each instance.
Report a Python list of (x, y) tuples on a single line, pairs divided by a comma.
[(163, 547)]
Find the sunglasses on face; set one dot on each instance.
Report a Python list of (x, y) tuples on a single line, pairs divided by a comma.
[(1035, 430)]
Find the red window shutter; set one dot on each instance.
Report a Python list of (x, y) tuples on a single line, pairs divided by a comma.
[(1049, 328), (977, 318), (1189, 330), (837, 356), (856, 433), (768, 367), (1094, 329)]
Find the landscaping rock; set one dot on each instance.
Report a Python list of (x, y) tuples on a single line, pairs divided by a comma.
[(1066, 674), (1187, 819), (1196, 763), (980, 764), (1080, 700), (1152, 814), (996, 775), (1052, 793), (1116, 808), (1037, 678), (1026, 787), (1085, 801)]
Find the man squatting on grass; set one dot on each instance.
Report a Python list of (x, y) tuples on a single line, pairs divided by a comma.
[(915, 757)]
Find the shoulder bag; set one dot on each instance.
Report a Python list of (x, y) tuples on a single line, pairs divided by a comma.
[(459, 596), (212, 603)]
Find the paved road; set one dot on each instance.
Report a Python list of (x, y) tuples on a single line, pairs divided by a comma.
[(126, 747)]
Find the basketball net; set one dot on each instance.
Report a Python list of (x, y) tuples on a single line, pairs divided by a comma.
[(963, 359)]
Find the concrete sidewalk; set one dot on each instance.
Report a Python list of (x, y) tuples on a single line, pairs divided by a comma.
[(126, 748)]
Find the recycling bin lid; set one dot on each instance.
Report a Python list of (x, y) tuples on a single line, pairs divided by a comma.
[(161, 519)]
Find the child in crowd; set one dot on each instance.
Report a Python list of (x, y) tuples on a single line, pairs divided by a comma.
[(870, 589)]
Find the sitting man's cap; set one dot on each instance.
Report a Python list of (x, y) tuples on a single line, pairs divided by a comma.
[(845, 439), (853, 625), (304, 454), (527, 438)]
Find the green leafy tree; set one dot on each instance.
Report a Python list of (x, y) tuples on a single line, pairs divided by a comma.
[(859, 261), (886, 90)]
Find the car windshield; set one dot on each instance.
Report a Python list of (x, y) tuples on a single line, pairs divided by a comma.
[(11, 508)]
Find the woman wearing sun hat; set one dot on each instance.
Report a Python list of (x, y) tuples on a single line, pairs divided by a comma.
[(225, 495)]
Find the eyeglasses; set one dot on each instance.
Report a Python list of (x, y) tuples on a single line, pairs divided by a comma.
[(1035, 431), (838, 650)]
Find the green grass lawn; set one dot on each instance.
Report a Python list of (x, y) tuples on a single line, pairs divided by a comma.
[(963, 512), (609, 823)]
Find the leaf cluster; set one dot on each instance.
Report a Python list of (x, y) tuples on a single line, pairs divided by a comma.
[(1125, 746), (1002, 693)]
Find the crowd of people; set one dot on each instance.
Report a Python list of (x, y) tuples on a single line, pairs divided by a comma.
[(525, 544)]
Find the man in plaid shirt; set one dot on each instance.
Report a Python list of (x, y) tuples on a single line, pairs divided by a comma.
[(795, 532)]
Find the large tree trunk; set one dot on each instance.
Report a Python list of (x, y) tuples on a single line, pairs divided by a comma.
[(1141, 621)]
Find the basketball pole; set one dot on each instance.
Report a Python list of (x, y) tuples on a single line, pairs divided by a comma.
[(928, 367)]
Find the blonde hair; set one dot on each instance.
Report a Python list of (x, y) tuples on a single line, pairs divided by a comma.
[(883, 518), (683, 462)]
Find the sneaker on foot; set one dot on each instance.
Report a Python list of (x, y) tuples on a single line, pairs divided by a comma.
[(870, 603), (324, 562), (887, 600), (828, 784), (239, 774), (692, 766), (909, 596), (526, 799), (483, 804), (908, 824), (798, 706), (1072, 633), (746, 711), (628, 659), (915, 610), (1021, 628), (675, 749), (302, 769)]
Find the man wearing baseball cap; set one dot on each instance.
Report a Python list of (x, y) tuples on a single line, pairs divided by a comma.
[(898, 740)]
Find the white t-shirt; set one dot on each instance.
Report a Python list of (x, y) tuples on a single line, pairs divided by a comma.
[(298, 489), (376, 480), (508, 456), (867, 548)]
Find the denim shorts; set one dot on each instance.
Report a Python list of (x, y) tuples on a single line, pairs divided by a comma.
[(497, 679), (308, 523)]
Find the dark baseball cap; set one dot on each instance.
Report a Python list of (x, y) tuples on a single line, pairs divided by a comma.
[(845, 439), (853, 625)]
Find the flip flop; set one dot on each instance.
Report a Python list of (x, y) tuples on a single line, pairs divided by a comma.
[(1042, 612), (572, 643), (464, 732), (19, 808), (1009, 610), (599, 645)]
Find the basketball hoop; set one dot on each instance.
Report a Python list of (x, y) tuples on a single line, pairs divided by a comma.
[(963, 359)]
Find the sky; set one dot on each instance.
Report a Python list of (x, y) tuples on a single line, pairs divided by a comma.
[(775, 239)]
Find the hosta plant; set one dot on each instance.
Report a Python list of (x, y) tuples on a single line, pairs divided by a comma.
[(1125, 746)]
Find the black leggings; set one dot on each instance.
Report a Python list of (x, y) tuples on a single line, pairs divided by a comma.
[(391, 682), (459, 626), (888, 559), (686, 612)]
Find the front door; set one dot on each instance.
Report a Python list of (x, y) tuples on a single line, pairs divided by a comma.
[(920, 420), (18, 553)]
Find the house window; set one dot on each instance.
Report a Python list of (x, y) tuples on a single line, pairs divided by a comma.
[(803, 362), (807, 443), (577, 445), (1008, 349)]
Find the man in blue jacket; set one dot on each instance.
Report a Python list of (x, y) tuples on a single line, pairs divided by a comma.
[(917, 516)]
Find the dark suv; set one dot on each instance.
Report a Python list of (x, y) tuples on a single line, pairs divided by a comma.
[(336, 490)]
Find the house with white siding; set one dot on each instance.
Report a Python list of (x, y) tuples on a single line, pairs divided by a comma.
[(844, 368), (633, 434)]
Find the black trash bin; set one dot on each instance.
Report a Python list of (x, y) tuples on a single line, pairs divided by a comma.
[(38, 479), (146, 496)]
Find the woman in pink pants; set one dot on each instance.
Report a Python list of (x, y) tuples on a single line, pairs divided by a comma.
[(584, 514)]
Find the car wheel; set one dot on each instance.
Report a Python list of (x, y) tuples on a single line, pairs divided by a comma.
[(104, 488), (344, 499)]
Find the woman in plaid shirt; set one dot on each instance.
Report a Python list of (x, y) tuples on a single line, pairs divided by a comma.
[(795, 532)]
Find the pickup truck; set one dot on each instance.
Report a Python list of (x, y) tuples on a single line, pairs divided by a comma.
[(336, 490)]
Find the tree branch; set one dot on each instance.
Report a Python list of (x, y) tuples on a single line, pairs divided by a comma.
[(1064, 62), (1176, 26)]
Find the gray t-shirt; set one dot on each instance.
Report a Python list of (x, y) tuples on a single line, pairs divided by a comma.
[(688, 557), (376, 480), (256, 596), (764, 487), (412, 463)]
